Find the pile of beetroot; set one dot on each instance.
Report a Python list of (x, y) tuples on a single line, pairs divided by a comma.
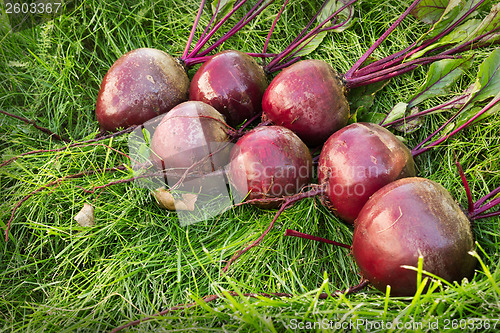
[(263, 133)]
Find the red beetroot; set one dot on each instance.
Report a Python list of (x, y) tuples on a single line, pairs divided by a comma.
[(358, 160), (269, 162), (233, 83), (140, 85), (308, 98), (192, 135), (406, 219)]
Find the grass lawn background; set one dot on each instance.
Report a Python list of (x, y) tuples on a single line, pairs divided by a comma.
[(137, 260)]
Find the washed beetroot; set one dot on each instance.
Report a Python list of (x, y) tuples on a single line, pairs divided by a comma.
[(192, 135), (408, 218), (309, 99), (269, 162), (358, 160), (140, 85), (233, 83)]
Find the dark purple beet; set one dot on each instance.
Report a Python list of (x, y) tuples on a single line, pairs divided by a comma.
[(187, 135), (407, 218), (358, 160), (141, 85), (233, 83), (308, 98), (269, 162)]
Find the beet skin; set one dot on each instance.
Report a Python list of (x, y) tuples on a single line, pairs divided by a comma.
[(309, 99), (408, 218), (233, 83), (141, 85)]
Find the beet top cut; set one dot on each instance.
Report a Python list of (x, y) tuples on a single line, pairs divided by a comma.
[(141, 85), (358, 160), (308, 98), (408, 218), (269, 162), (233, 83)]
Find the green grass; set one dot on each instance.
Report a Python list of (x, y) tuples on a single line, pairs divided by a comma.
[(137, 260)]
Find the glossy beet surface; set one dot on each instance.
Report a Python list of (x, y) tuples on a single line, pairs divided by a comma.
[(358, 160), (308, 98), (187, 135), (269, 162), (408, 217), (233, 83), (141, 85)]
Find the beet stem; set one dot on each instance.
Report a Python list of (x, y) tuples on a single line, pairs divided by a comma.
[(418, 150), (423, 113), (33, 123), (237, 27), (351, 290), (212, 19), (193, 29), (204, 40), (397, 57), (55, 183), (308, 37), (483, 216), (201, 59), (209, 298), (285, 65), (368, 53), (294, 52), (264, 50), (244, 21), (80, 144), (299, 36), (486, 197), (288, 202), (258, 240), (247, 123), (385, 77), (486, 207), (470, 44), (386, 73), (294, 233), (470, 202)]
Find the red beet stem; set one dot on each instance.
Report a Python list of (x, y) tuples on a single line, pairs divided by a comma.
[(288, 202), (486, 197), (209, 298), (264, 50), (204, 40), (444, 105), (419, 149), (294, 233), (308, 37), (368, 53), (55, 183), (193, 29), (33, 123), (399, 57)]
